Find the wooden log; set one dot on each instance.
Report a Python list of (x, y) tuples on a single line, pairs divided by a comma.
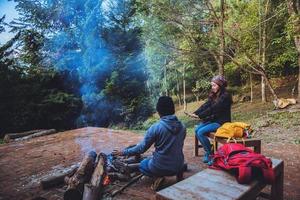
[(125, 168), (133, 180), (58, 178), (92, 190), (38, 134), (133, 159), (76, 183), (118, 176), (11, 136)]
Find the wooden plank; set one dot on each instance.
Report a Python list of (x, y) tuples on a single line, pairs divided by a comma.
[(214, 184), (203, 186), (250, 142), (277, 187)]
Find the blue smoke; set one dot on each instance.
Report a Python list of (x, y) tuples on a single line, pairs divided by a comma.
[(79, 48)]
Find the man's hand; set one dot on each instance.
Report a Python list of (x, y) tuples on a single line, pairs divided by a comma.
[(117, 152), (191, 115)]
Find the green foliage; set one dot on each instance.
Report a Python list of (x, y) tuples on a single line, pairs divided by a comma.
[(186, 41), (35, 100), (149, 122), (176, 47), (201, 89), (32, 96), (178, 39)]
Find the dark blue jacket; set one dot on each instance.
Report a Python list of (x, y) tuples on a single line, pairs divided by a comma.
[(216, 111), (168, 136)]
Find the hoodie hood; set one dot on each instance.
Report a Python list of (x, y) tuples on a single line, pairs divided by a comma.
[(171, 123)]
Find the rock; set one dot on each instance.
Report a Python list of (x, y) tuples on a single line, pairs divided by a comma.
[(245, 98)]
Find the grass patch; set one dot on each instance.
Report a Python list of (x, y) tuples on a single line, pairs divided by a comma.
[(257, 114), (1, 141), (286, 119)]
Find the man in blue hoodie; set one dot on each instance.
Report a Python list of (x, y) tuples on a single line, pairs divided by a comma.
[(168, 136)]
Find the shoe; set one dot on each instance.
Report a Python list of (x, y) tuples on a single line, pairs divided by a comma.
[(157, 183), (206, 157), (211, 162)]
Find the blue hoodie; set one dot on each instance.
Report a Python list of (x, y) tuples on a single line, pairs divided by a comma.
[(168, 136)]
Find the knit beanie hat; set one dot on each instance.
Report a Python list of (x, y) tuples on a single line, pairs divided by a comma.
[(220, 81), (165, 106)]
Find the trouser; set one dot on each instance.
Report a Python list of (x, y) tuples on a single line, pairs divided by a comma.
[(202, 131), (144, 168)]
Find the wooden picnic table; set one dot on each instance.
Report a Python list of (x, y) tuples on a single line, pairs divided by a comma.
[(220, 185)]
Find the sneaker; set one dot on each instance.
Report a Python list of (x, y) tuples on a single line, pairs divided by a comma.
[(210, 162), (157, 183), (206, 157)]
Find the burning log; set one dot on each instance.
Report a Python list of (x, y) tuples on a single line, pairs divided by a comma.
[(38, 134), (93, 189), (58, 178), (11, 136), (82, 175)]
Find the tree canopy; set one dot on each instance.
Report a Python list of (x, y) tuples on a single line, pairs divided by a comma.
[(105, 62)]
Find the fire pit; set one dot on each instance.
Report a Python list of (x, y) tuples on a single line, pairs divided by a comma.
[(98, 176)]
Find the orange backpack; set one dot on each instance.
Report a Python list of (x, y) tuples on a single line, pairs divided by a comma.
[(233, 131)]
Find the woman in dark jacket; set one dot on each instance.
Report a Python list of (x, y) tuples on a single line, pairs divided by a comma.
[(214, 112)]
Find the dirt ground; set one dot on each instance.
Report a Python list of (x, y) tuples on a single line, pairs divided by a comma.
[(24, 164)]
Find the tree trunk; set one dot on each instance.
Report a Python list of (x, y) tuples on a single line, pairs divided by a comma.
[(222, 38), (165, 79), (251, 88), (263, 63), (270, 87), (263, 89), (178, 88), (294, 11), (76, 183), (184, 97), (299, 70), (93, 189), (263, 50)]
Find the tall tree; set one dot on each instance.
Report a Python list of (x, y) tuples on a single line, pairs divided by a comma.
[(222, 37), (294, 11), (128, 80)]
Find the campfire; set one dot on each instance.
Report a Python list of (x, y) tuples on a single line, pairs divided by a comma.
[(97, 176)]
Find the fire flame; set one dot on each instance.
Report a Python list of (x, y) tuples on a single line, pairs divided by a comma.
[(106, 180)]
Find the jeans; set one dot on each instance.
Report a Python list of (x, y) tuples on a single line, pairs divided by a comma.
[(144, 168), (202, 131)]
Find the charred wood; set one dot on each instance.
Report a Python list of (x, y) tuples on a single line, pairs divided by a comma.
[(58, 178), (76, 182), (92, 190)]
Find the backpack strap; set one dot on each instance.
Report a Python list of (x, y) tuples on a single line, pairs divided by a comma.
[(245, 174), (215, 144), (243, 141), (269, 175), (268, 172)]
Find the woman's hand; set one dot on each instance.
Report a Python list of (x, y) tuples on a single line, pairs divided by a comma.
[(117, 152), (191, 115)]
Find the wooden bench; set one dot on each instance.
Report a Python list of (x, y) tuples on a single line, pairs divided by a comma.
[(251, 142), (220, 185)]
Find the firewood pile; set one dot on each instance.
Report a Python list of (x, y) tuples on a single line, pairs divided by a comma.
[(97, 176)]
